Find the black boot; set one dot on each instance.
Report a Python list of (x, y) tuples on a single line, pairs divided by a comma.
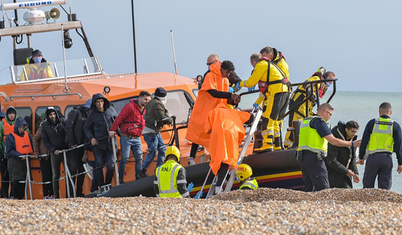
[(143, 174)]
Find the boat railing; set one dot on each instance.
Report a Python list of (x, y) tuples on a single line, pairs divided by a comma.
[(22, 74), (312, 94)]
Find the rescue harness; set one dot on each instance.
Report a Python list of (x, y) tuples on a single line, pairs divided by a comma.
[(263, 85)]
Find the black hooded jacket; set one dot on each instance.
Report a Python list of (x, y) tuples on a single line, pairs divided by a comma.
[(340, 160), (54, 135), (98, 123), (75, 125)]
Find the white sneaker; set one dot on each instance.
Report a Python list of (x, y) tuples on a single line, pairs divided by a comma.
[(191, 161), (89, 170)]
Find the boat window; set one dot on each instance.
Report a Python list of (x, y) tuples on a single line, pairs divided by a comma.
[(54, 70), (119, 104), (68, 109), (26, 114), (178, 105), (195, 92), (40, 114)]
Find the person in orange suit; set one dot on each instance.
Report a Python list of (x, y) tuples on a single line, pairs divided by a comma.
[(226, 128), (214, 90)]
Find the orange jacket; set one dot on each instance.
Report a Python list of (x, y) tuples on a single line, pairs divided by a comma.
[(226, 136), (205, 103), (7, 129)]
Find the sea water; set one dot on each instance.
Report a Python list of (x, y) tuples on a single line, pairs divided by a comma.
[(360, 107)]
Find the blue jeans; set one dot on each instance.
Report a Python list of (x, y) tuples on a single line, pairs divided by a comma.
[(94, 185), (155, 143), (102, 156), (135, 146)]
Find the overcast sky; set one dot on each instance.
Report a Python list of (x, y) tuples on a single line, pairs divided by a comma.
[(359, 40)]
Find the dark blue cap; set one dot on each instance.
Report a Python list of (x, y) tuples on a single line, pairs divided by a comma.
[(88, 104)]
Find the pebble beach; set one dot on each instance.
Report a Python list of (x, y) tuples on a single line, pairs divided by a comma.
[(262, 211)]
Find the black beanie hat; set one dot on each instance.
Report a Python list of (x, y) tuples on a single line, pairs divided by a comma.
[(160, 92)]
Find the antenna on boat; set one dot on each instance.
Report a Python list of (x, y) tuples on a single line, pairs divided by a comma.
[(135, 51), (174, 55), (66, 89)]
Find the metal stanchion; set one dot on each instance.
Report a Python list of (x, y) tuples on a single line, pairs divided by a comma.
[(116, 169), (66, 174), (28, 180)]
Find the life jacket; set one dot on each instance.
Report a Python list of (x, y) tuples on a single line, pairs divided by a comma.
[(23, 144), (167, 179), (309, 139), (263, 85), (381, 138), (7, 129), (251, 184), (323, 88)]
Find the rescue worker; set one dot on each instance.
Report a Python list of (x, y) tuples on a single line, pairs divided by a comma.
[(341, 162), (226, 128), (300, 94), (170, 178), (244, 173), (276, 57), (313, 144), (18, 143), (6, 127), (381, 137), (274, 88), (37, 67), (214, 90)]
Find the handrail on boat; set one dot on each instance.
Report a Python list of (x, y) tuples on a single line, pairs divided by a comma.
[(34, 96), (308, 91)]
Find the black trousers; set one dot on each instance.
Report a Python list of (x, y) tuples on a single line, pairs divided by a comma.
[(76, 165), (4, 177), (46, 170), (18, 189)]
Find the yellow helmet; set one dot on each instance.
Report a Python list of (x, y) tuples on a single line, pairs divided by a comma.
[(244, 171), (174, 151), (321, 70)]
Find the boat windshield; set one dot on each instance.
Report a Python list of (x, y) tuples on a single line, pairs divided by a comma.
[(51, 70)]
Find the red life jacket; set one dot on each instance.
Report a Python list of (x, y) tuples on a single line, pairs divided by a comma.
[(263, 85), (323, 88), (23, 144)]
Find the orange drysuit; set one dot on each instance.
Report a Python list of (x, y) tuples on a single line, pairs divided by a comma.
[(205, 103), (226, 136)]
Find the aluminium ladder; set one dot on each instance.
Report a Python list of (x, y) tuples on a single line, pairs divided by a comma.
[(232, 173)]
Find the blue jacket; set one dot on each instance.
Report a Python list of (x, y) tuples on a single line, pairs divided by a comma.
[(397, 134), (98, 123), (10, 140)]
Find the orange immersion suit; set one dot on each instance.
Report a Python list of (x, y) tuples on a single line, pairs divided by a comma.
[(205, 103), (226, 136)]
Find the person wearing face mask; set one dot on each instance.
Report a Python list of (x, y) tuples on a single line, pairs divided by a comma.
[(36, 68), (300, 94), (156, 117)]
